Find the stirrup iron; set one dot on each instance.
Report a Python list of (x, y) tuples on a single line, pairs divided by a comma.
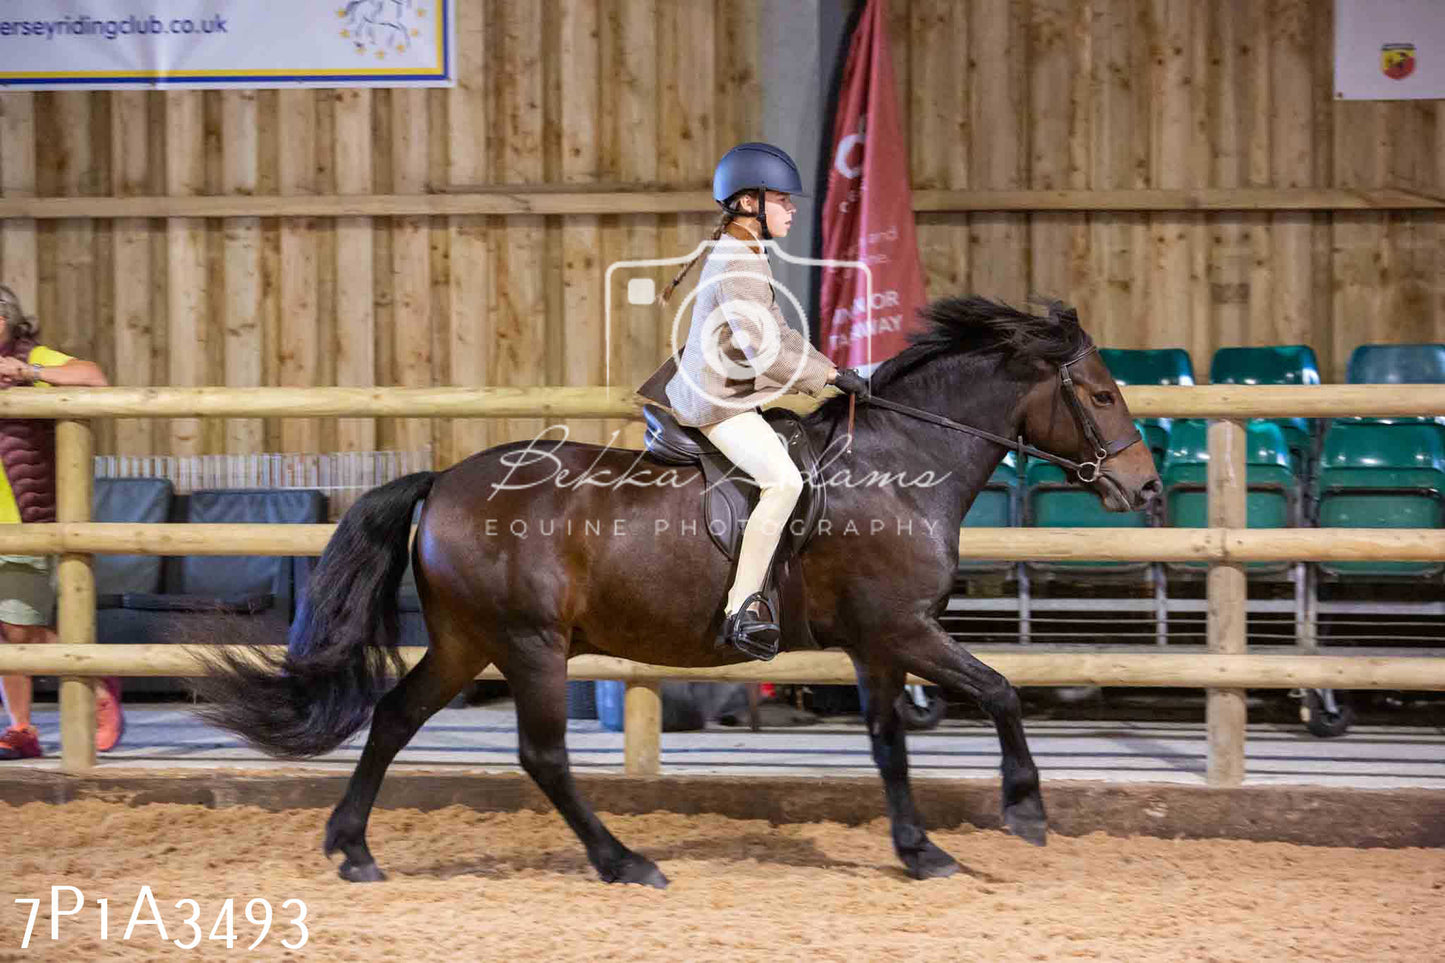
[(754, 636)]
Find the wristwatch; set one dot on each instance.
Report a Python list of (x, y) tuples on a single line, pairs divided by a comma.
[(35, 372)]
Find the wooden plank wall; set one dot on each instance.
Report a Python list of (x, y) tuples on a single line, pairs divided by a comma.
[(1101, 94), (1072, 94), (558, 92)]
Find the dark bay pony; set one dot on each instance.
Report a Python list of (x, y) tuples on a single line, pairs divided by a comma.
[(521, 567)]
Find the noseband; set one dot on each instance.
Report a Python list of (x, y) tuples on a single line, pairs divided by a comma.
[(1103, 450), (1088, 471)]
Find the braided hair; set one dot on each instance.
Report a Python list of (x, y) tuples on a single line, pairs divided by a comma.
[(732, 209), (722, 225)]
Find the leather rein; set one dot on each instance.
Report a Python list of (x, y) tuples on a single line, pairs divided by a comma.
[(1088, 471)]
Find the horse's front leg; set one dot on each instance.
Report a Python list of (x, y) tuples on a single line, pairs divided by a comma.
[(881, 688), (924, 649)]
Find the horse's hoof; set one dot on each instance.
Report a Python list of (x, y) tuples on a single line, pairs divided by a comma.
[(636, 869), (360, 872), (1026, 820), (929, 863)]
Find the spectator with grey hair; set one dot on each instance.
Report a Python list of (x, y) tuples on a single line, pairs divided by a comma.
[(27, 495)]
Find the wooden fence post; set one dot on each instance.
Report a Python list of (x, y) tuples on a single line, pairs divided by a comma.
[(1228, 594), (74, 471), (642, 729)]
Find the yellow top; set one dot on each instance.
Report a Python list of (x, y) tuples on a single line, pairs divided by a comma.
[(9, 510)]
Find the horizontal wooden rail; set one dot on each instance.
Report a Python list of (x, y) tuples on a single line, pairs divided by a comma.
[(540, 402), (596, 401), (1285, 401), (1170, 669), (121, 538), (1221, 545), (1196, 199), (616, 199), (508, 201)]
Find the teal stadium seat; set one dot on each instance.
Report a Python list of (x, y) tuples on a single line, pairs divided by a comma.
[(1161, 366), (1273, 489), (1385, 472), (1051, 501), (1376, 475), (1397, 364), (1293, 364), (995, 507)]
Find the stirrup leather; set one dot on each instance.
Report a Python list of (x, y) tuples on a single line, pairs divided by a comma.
[(751, 634)]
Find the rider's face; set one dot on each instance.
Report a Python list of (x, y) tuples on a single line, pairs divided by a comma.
[(780, 213)]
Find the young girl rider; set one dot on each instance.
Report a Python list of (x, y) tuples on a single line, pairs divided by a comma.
[(740, 351)]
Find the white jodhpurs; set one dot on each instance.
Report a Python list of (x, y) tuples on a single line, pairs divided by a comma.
[(751, 444)]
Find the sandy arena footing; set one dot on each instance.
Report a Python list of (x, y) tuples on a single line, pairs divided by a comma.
[(464, 884), (1308, 815)]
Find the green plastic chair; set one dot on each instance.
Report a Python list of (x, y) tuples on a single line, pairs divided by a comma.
[(1396, 364), (1376, 475), (1292, 364), (1051, 501), (1154, 366), (1159, 366), (995, 507), (1272, 488)]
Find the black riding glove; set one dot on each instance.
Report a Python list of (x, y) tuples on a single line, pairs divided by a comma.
[(850, 382)]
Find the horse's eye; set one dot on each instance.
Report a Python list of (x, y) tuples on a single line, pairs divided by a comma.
[(1103, 398)]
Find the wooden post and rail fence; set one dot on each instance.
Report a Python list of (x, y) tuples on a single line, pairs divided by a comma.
[(1225, 670)]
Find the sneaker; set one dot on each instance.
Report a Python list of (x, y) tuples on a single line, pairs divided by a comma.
[(109, 716), (18, 743)]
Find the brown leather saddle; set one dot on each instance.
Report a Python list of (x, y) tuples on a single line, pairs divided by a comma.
[(728, 499)]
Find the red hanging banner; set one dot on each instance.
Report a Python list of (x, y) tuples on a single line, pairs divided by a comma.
[(868, 212)]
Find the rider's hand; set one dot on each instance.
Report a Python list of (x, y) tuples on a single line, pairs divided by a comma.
[(850, 382)]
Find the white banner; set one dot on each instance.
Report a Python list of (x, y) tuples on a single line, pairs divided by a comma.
[(1389, 49), (120, 44)]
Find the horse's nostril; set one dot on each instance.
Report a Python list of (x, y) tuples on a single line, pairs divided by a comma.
[(1152, 488)]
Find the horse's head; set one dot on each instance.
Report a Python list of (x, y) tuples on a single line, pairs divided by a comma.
[(985, 364), (1076, 410)]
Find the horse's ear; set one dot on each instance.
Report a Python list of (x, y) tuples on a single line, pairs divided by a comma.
[(1059, 312)]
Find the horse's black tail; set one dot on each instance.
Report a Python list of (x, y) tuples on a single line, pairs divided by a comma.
[(342, 647)]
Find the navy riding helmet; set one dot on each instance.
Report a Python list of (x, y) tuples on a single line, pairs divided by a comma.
[(758, 167)]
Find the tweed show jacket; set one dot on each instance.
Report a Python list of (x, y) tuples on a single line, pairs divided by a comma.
[(740, 350)]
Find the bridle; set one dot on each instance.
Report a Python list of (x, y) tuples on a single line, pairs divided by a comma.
[(1087, 471)]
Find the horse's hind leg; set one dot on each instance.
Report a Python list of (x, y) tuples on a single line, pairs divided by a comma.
[(924, 649), (436, 679), (536, 670), (887, 734)]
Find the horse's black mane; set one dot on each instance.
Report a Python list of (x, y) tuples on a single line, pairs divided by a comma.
[(975, 325)]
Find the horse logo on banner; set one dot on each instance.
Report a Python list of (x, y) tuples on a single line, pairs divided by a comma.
[(380, 25)]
